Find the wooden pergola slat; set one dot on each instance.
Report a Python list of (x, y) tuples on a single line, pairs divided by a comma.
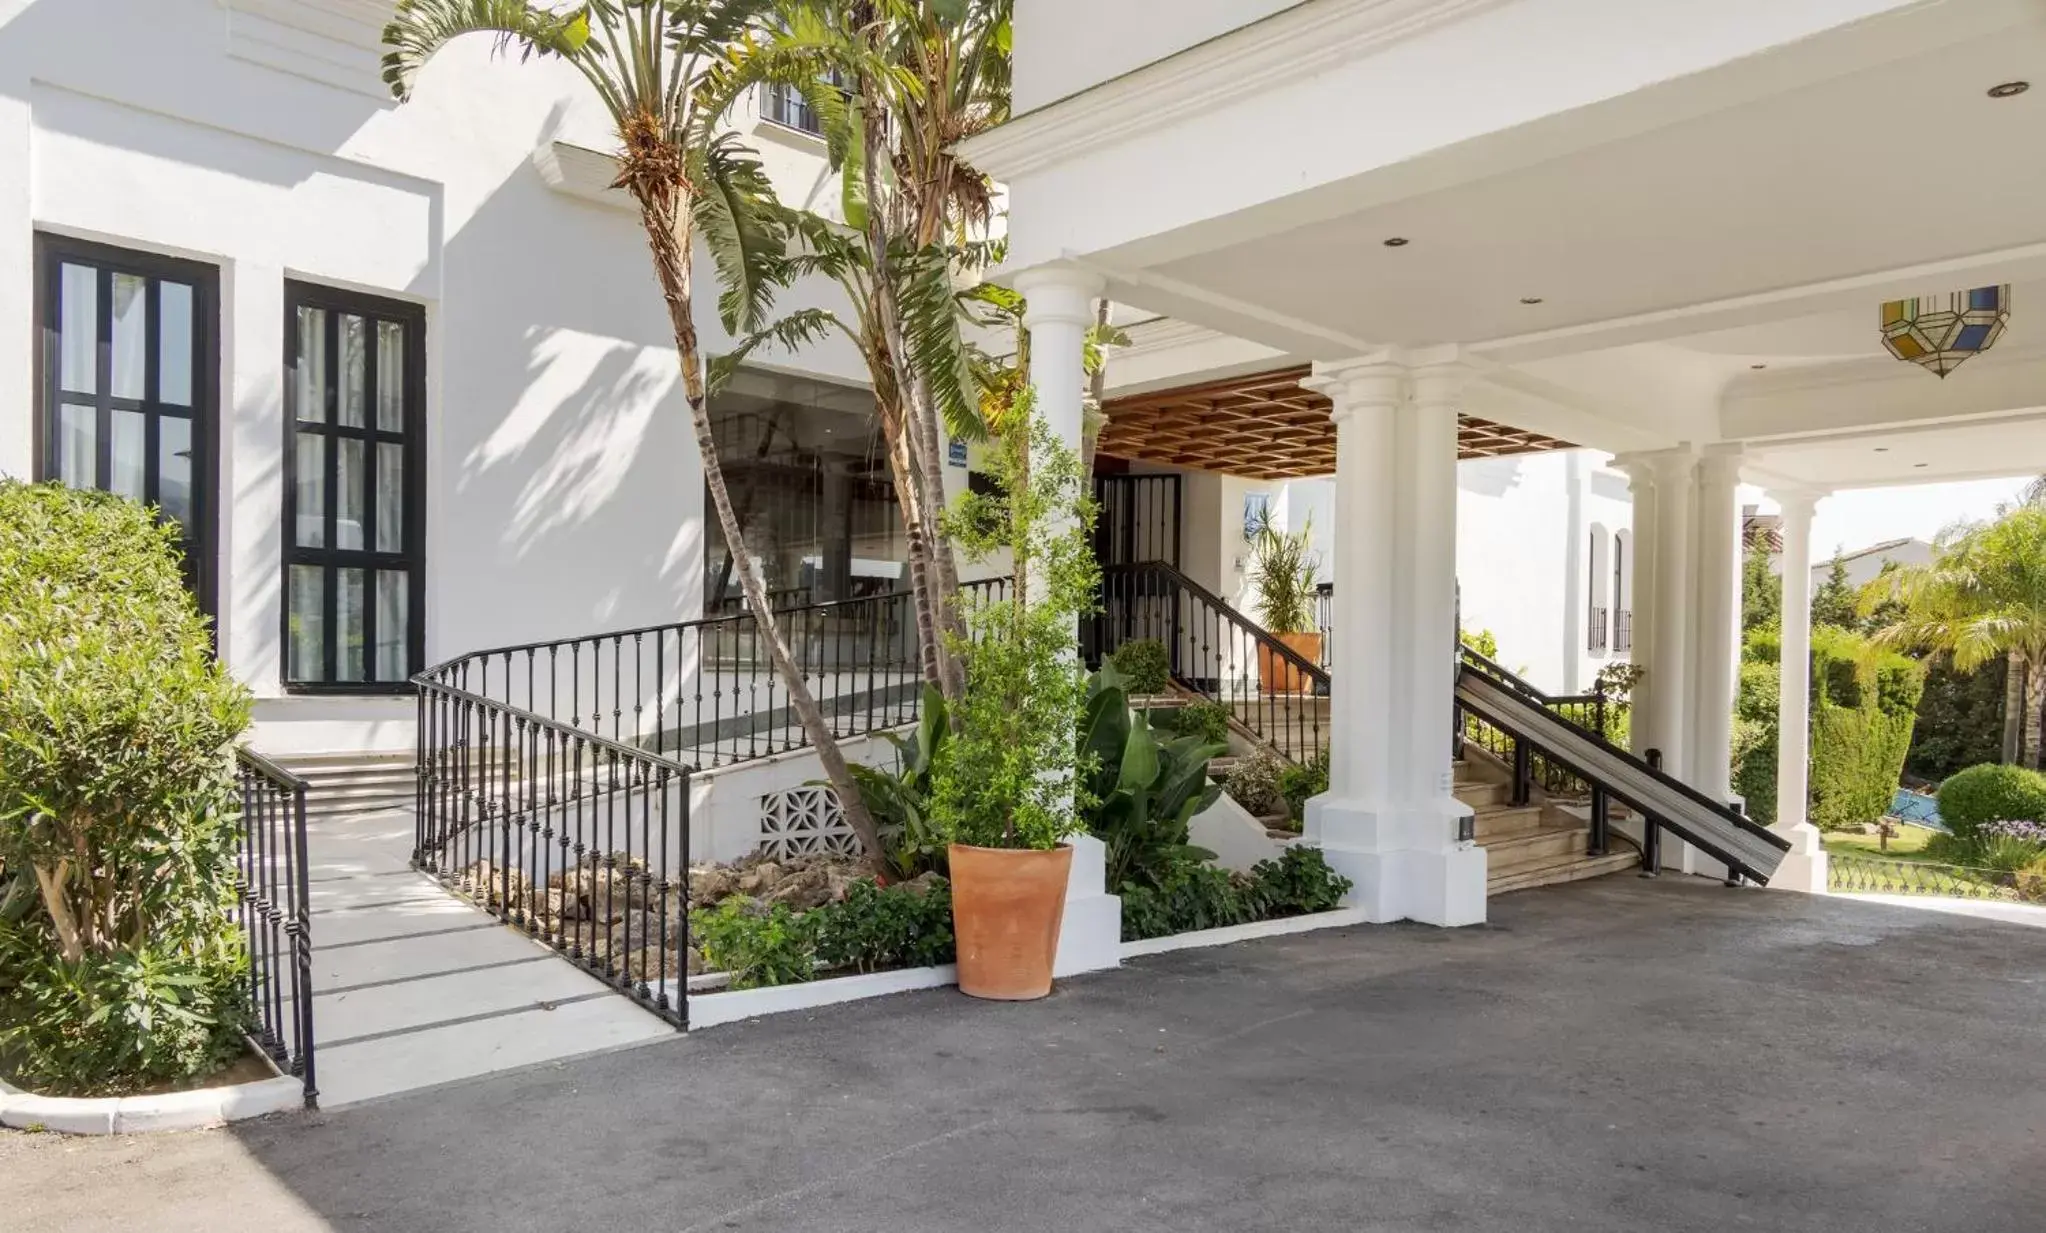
[(1264, 426)]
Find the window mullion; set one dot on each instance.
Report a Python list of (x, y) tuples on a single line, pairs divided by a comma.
[(330, 401), (103, 380)]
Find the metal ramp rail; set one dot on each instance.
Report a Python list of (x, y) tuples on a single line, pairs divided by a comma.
[(1748, 849)]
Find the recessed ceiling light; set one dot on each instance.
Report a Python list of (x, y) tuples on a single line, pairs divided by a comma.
[(1398, 241), (1530, 299), (1882, 449), (1921, 465), (1758, 367), (2009, 89)]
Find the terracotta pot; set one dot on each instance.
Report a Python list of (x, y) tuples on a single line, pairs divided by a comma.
[(1277, 673), (1007, 905)]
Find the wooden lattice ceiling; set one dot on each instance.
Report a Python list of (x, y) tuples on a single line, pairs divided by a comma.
[(1265, 426)]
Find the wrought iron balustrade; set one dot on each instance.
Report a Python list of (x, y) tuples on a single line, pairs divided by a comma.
[(1623, 631), (1854, 874), (1595, 639), (272, 908), (1273, 690)]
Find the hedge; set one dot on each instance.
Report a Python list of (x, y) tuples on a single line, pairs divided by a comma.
[(1991, 793), (1863, 708)]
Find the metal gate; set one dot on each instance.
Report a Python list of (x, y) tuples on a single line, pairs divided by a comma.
[(1138, 519)]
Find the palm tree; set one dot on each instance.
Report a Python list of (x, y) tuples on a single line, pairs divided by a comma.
[(661, 68), (895, 84), (1982, 596)]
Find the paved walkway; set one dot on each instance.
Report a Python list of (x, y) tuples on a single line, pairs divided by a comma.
[(1612, 1056), (413, 988)]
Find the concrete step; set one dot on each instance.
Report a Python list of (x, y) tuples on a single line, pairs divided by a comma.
[(1561, 870), (1510, 855), (1499, 822), (1481, 794)]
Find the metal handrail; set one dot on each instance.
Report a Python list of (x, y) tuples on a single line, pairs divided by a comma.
[(272, 888)]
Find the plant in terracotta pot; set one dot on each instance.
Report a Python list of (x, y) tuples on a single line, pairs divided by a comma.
[(1282, 568), (1003, 787)]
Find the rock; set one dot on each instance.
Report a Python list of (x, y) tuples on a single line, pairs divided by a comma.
[(927, 881), (760, 879), (636, 930), (708, 884), (806, 889), (486, 882)]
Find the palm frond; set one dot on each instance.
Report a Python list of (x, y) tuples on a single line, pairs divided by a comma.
[(931, 315), (418, 29), (802, 328), (745, 234)]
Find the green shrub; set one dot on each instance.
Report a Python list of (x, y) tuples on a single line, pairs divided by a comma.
[(1193, 896), (1254, 784), (120, 964), (879, 927), (756, 944), (1145, 666), (1483, 641), (1991, 793), (899, 800), (1300, 783), (1141, 793), (1960, 719), (1196, 895), (1863, 704), (1298, 883), (1204, 719)]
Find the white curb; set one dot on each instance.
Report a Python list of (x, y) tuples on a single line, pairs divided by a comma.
[(1245, 933), (199, 1109)]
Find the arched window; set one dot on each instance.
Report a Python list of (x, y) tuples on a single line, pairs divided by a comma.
[(1597, 595), (1623, 592)]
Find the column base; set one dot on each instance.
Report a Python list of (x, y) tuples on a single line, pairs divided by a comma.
[(1090, 932), (1804, 868), (1405, 862)]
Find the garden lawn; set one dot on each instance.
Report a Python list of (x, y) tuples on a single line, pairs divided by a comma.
[(1908, 844)]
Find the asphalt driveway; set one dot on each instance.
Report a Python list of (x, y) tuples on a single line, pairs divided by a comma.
[(1617, 1055)]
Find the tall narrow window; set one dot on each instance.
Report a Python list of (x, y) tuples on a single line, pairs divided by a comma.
[(126, 383), (354, 504)]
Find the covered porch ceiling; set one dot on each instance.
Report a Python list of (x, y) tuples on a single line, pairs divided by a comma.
[(1263, 426)]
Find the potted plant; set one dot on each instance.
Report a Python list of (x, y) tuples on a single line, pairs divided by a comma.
[(1282, 568), (1003, 787)]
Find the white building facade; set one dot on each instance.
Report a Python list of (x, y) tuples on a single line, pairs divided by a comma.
[(402, 371), (1657, 230)]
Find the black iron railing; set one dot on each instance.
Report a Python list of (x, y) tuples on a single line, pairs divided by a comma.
[(1623, 631), (1595, 640), (1586, 711), (1503, 702), (1325, 621), (1275, 690), (1849, 873), (705, 693), (578, 839), (273, 911)]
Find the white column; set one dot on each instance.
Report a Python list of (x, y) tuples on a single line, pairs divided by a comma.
[(1718, 614), (1389, 821), (1641, 734), (1058, 309), (1804, 869), (1668, 665)]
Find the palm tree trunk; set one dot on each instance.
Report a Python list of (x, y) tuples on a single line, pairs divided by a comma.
[(930, 652), (668, 235), (2013, 708), (919, 417), (2034, 733)]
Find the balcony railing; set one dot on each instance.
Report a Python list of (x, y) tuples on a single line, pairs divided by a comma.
[(1623, 631), (1596, 642)]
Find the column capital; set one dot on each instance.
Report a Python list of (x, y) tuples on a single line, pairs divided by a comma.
[(1720, 465), (1796, 499), (1058, 294), (1370, 383)]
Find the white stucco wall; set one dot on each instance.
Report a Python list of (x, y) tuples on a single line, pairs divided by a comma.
[(1064, 46), (564, 488), (1523, 558)]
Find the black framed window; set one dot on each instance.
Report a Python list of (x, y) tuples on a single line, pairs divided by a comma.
[(354, 491), (127, 382)]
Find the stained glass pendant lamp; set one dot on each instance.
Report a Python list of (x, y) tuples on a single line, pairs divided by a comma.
[(1938, 332)]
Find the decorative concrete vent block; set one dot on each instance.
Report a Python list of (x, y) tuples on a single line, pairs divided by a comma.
[(804, 820)]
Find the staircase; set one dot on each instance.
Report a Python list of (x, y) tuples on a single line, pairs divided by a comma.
[(1536, 844), (344, 785)]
